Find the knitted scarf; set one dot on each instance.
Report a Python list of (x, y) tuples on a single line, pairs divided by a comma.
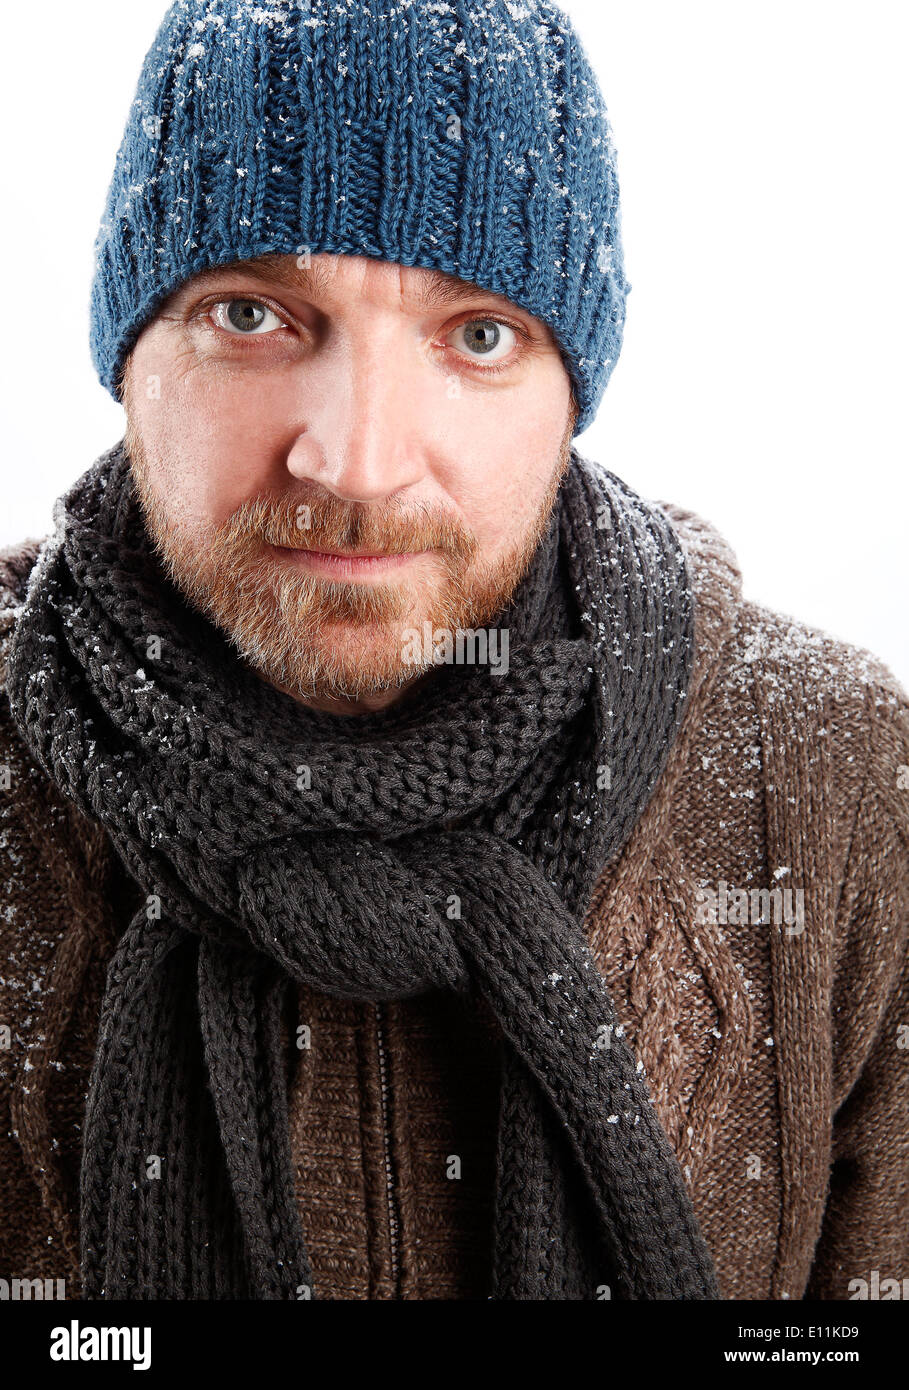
[(451, 841)]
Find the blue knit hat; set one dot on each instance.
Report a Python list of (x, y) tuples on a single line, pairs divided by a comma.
[(469, 136)]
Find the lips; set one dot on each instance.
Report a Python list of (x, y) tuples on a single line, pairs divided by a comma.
[(353, 554), (345, 564)]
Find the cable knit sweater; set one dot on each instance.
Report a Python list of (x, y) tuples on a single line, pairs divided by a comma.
[(777, 1052)]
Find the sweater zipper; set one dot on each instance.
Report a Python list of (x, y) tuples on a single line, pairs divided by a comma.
[(386, 1144)]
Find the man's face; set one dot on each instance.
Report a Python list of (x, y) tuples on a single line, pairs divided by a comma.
[(281, 414)]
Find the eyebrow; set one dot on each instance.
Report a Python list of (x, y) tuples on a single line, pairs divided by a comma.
[(434, 290)]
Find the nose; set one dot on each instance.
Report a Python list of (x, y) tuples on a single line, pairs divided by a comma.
[(363, 438)]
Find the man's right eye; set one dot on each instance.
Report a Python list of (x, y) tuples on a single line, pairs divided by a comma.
[(245, 317)]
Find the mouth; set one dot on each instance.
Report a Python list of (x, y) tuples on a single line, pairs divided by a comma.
[(346, 564)]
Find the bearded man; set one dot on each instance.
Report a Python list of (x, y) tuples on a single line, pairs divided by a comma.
[(424, 874)]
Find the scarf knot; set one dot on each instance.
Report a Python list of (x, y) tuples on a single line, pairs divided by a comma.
[(347, 915)]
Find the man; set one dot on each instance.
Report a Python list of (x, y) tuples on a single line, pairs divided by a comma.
[(425, 875)]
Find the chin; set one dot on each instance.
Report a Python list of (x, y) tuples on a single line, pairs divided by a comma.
[(345, 661)]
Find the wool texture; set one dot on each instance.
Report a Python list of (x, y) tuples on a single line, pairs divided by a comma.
[(483, 790), (467, 138)]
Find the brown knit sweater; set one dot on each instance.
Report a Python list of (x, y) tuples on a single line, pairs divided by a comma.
[(777, 1053)]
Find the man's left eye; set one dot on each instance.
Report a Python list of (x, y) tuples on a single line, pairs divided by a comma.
[(488, 340), (245, 317)]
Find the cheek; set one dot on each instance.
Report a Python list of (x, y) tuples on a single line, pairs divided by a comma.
[(211, 443), (503, 463)]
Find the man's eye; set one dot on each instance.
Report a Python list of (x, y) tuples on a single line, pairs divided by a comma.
[(488, 340), (245, 316)]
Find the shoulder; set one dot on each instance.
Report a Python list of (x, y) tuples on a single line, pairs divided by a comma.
[(782, 653), (828, 709), (16, 564), (844, 695), (52, 859)]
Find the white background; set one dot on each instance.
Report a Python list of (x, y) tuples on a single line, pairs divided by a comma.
[(763, 169)]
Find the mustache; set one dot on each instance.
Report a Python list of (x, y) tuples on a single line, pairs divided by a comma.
[(331, 523)]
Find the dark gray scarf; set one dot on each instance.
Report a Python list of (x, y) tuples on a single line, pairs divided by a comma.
[(481, 789)]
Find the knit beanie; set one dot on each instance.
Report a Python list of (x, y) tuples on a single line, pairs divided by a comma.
[(467, 136)]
